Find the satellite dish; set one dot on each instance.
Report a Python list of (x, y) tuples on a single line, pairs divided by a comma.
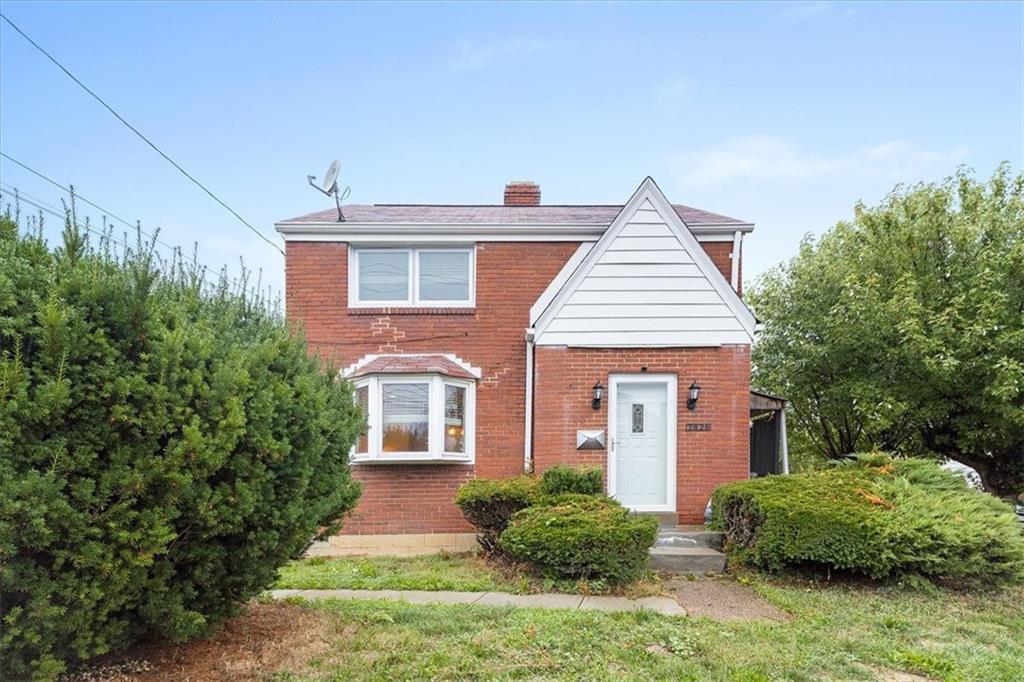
[(331, 177), (330, 186)]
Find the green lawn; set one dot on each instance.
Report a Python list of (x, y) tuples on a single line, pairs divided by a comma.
[(434, 572), (835, 633)]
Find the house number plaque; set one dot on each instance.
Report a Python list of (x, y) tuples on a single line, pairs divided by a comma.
[(698, 427)]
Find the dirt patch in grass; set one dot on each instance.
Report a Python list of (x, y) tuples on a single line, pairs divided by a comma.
[(724, 600), (265, 639)]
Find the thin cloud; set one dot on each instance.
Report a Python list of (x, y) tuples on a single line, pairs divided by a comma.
[(772, 159), (476, 55)]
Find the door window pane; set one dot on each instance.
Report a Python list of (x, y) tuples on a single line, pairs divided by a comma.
[(405, 420), (638, 417), (444, 276), (454, 418), (363, 401), (383, 275)]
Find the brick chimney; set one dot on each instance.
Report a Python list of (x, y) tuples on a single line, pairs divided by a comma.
[(522, 193)]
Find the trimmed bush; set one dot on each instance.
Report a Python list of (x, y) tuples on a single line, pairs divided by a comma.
[(166, 446), (489, 504), (873, 515), (581, 536), (585, 480)]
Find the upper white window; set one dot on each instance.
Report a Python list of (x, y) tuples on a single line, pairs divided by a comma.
[(415, 418), (428, 277)]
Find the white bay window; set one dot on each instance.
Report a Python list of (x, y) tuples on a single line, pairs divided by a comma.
[(415, 418)]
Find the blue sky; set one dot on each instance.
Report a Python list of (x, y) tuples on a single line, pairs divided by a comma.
[(783, 114)]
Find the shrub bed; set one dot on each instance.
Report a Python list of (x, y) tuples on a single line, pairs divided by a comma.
[(584, 480), (873, 515), (581, 536), (166, 447), (489, 504)]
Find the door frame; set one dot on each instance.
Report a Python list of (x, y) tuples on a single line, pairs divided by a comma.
[(671, 426)]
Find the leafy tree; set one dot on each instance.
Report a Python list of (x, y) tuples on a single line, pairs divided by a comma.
[(904, 330), (165, 446)]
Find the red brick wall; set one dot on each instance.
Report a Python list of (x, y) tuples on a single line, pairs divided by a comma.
[(721, 256), (510, 278), (564, 381)]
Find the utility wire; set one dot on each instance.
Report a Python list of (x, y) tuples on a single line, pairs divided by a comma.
[(20, 196), (53, 182), (79, 197), (75, 196), (139, 134)]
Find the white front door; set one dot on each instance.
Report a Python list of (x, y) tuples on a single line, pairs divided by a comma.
[(642, 453)]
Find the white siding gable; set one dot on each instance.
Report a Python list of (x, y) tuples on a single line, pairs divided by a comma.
[(647, 282)]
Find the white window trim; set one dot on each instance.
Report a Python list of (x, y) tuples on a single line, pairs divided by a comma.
[(435, 420), (413, 300)]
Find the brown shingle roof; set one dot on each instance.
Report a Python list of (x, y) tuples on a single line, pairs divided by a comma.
[(412, 364), (467, 214)]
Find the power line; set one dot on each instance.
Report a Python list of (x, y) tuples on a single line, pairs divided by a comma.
[(36, 202), (139, 134), (68, 190), (79, 197)]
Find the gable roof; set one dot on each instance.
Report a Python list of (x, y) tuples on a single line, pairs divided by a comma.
[(469, 214), (658, 248)]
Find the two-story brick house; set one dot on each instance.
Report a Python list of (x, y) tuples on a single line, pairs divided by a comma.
[(488, 340)]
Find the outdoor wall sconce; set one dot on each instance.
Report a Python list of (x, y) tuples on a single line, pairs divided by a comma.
[(691, 403), (598, 394)]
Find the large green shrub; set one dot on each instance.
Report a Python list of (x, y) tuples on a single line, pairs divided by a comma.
[(876, 516), (488, 504), (585, 480), (165, 446), (581, 536)]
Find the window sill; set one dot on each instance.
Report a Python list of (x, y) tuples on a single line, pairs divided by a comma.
[(425, 459), (412, 310)]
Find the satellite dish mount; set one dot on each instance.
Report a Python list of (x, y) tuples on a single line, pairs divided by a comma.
[(330, 187)]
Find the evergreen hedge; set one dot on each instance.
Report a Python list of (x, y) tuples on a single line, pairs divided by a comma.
[(165, 446), (562, 478), (488, 504), (873, 515), (581, 536)]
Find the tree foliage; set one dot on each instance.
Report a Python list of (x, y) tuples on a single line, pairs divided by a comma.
[(904, 329), (165, 446)]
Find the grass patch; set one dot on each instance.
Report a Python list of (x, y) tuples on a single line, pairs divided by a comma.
[(837, 632), (437, 572)]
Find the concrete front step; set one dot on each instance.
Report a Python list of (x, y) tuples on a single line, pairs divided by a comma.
[(681, 538), (683, 560)]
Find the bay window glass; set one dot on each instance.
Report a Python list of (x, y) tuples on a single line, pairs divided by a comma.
[(454, 418), (363, 401), (415, 418), (406, 417)]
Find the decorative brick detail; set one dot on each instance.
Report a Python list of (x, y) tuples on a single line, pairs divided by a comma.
[(704, 459), (412, 311)]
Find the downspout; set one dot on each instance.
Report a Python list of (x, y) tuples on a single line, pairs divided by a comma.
[(528, 442), (737, 242), (782, 437)]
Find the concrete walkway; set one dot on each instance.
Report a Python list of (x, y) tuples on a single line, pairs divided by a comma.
[(664, 605)]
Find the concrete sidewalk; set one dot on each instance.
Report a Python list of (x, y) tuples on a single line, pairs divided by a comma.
[(664, 605)]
